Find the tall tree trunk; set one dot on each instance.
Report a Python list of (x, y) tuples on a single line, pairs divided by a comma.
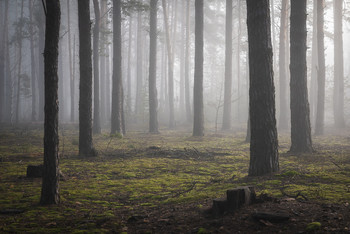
[(128, 98), (314, 67), (117, 105), (338, 95), (182, 61), (2, 61), (226, 122), (198, 112), (71, 75), (299, 105), (264, 142), (139, 66), (283, 119), (50, 182), (103, 52), (19, 71), (321, 73), (41, 78), (187, 65), (153, 100), (85, 96), (238, 61), (8, 81), (96, 38), (32, 58), (170, 68)]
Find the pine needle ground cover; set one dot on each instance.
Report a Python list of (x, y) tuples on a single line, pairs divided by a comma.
[(164, 182)]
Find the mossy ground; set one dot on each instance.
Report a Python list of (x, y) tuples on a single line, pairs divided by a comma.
[(142, 172)]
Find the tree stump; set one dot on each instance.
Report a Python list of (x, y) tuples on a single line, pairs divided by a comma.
[(219, 206), (35, 171)]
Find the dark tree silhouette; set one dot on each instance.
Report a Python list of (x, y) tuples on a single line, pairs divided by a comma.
[(283, 119), (299, 104), (71, 64), (338, 95), (50, 183), (153, 101), (264, 142), (226, 122), (117, 105), (321, 73), (85, 99), (96, 36), (198, 114)]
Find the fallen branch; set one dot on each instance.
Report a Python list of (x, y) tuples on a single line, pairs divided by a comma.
[(299, 194)]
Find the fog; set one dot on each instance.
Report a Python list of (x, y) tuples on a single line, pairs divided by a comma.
[(135, 63)]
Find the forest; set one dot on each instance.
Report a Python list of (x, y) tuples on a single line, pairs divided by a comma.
[(178, 116)]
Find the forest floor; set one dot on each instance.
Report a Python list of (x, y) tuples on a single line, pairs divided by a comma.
[(165, 183)]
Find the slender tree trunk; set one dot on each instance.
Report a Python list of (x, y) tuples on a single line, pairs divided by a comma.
[(153, 100), (71, 75), (198, 112), (41, 78), (116, 123), (299, 105), (128, 98), (103, 52), (314, 67), (8, 81), (238, 61), (139, 66), (50, 182), (108, 82), (170, 68), (2, 61), (264, 142), (96, 39), (187, 65), (18, 101), (338, 95), (226, 122), (321, 73), (182, 61), (283, 119), (85, 96)]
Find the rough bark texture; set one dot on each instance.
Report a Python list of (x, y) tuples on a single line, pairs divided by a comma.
[(198, 113), (299, 104), (226, 122), (153, 100), (32, 58), (321, 74), (338, 95), (283, 119), (187, 65), (116, 121), (19, 68), (50, 182), (96, 128), (264, 143), (71, 74), (170, 68), (85, 98)]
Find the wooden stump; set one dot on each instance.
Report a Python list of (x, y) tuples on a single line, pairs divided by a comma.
[(240, 196), (219, 206)]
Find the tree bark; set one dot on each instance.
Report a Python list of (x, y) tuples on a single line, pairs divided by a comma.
[(71, 75), (314, 67), (187, 65), (32, 58), (198, 110), (18, 101), (283, 119), (2, 60), (103, 78), (41, 78), (338, 95), (96, 39), (116, 122), (8, 80), (226, 122), (321, 73), (170, 68), (50, 182), (299, 104), (264, 142), (128, 98), (153, 100), (139, 65), (85, 96)]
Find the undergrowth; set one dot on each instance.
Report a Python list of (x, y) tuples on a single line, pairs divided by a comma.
[(141, 171)]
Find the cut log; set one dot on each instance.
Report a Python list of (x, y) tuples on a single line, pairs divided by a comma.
[(272, 217), (240, 196), (219, 206), (35, 171)]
